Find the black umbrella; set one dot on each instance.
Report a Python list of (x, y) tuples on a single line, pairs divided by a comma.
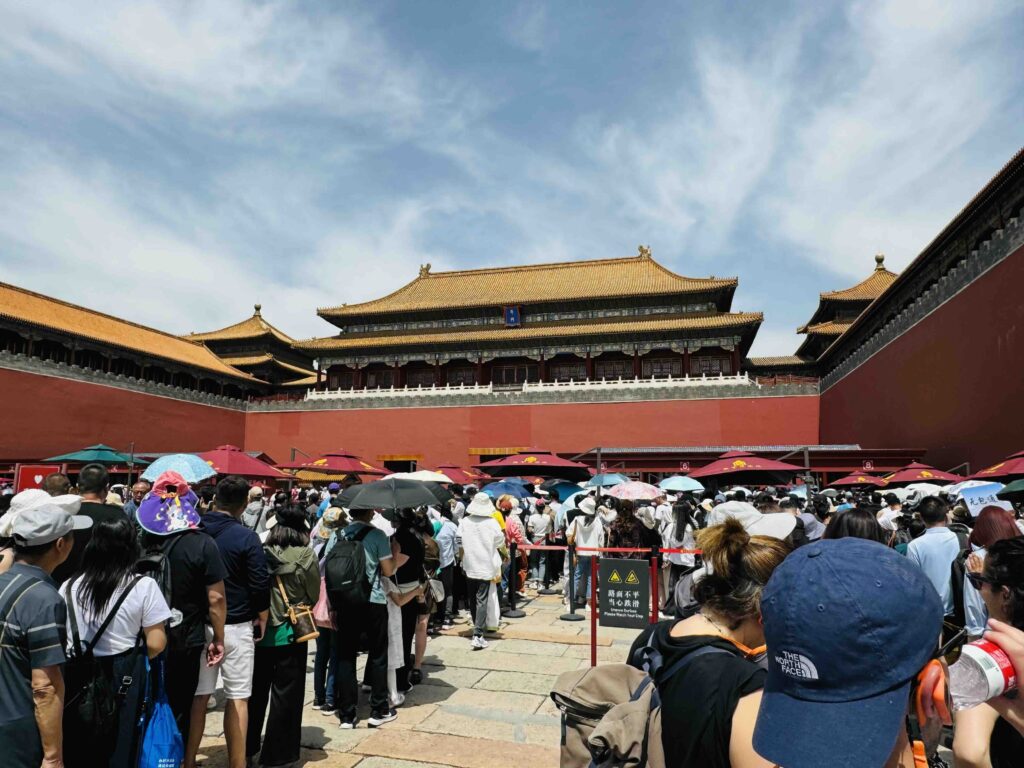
[(442, 494), (1014, 492), (389, 493)]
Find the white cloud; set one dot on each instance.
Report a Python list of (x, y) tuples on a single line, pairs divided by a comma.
[(528, 27)]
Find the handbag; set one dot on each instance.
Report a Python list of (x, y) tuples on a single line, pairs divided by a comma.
[(300, 617), (162, 745), (322, 614)]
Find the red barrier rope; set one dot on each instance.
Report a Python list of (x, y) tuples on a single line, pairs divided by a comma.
[(564, 548)]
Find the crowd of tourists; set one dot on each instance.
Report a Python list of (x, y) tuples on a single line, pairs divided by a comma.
[(797, 630)]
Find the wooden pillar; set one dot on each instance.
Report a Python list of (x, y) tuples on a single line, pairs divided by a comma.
[(106, 363), (542, 369), (479, 371), (590, 367), (28, 349), (735, 360), (686, 361), (357, 378), (437, 374), (398, 375), (636, 363), (319, 378)]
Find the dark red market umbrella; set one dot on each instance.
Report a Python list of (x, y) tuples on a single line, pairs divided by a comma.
[(463, 476), (858, 480), (231, 460), (916, 472), (739, 467), (1006, 470), (535, 463), (337, 462)]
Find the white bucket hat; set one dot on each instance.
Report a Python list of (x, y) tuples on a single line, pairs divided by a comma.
[(480, 506), (588, 506), (778, 525)]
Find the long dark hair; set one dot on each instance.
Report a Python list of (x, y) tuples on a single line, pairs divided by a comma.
[(682, 515), (855, 523), (108, 560), (1004, 564), (290, 529)]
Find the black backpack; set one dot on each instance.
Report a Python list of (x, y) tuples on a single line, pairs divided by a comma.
[(156, 564), (93, 697), (345, 572), (956, 580)]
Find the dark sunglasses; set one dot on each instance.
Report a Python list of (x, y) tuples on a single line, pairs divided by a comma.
[(977, 580), (950, 650)]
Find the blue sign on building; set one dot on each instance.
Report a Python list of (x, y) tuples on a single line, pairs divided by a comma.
[(512, 316)]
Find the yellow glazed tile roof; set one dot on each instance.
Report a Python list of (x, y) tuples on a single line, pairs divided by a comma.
[(239, 362), (36, 309), (704, 321), (308, 381), (868, 289), (497, 286), (250, 328), (778, 360), (829, 328)]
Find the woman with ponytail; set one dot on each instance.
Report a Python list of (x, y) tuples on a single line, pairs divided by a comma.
[(709, 706)]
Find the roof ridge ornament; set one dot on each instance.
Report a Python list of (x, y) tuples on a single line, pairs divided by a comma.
[(425, 270), (879, 261), (258, 308), (643, 251)]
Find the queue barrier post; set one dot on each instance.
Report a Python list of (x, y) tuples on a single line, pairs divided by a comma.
[(549, 556), (655, 579), (593, 610), (572, 615), (513, 573)]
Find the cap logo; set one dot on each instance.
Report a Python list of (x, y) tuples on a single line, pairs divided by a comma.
[(796, 665)]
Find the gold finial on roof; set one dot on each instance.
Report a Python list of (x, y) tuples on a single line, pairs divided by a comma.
[(424, 270), (879, 261), (257, 307), (644, 251)]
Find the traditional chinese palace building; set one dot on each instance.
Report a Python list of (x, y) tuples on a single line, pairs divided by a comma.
[(261, 350), (607, 319), (458, 366)]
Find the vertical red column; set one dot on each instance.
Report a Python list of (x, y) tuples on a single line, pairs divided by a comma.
[(686, 361), (636, 363), (735, 360), (590, 367)]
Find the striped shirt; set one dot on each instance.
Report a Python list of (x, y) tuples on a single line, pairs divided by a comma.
[(32, 636)]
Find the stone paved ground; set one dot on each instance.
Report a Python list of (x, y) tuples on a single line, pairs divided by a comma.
[(474, 709)]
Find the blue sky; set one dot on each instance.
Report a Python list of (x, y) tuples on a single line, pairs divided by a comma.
[(175, 162)]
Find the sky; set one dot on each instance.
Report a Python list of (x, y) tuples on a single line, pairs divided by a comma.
[(174, 163)]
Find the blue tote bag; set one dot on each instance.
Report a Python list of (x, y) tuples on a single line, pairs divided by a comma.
[(162, 746)]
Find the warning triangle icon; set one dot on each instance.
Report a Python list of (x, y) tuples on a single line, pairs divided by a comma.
[(632, 579), (615, 578)]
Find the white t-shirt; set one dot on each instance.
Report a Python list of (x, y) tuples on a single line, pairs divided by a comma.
[(887, 518), (663, 513), (144, 607), (540, 524), (588, 532)]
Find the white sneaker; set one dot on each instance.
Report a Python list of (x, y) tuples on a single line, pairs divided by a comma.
[(376, 721), (397, 700), (478, 643)]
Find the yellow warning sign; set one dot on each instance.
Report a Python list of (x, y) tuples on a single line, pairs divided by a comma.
[(616, 579), (632, 579)]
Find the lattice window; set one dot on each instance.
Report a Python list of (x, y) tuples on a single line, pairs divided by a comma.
[(419, 378), (380, 379), (711, 366), (462, 375), (663, 367), (576, 371), (613, 369)]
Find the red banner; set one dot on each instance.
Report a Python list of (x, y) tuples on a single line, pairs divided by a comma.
[(32, 475)]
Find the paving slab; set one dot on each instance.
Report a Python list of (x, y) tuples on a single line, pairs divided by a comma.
[(390, 762), (458, 751), (496, 728), (522, 703), (492, 659), (213, 753), (605, 654), (451, 677), (529, 647), (517, 682)]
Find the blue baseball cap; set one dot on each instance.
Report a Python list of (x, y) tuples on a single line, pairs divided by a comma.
[(848, 623), (333, 487)]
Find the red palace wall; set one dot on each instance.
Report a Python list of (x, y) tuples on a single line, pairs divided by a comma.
[(951, 384), (443, 435), (42, 416)]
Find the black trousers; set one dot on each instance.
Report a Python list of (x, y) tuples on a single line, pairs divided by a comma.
[(181, 676), (410, 614), (278, 680), (447, 607), (371, 619)]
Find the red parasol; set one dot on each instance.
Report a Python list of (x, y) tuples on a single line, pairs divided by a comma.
[(858, 480), (463, 476), (535, 463), (744, 467), (231, 460), (915, 472), (1008, 469), (337, 462)]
